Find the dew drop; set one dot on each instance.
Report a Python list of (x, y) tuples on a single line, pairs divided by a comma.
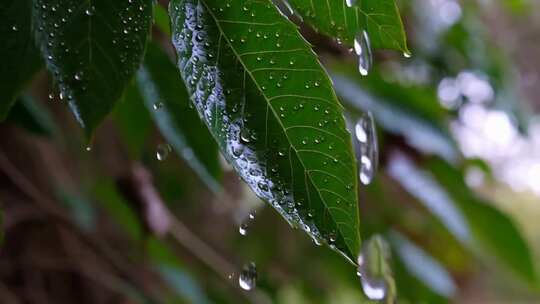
[(366, 136), (163, 151), (362, 47), (248, 277)]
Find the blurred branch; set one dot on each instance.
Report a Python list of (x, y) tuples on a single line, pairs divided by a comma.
[(159, 219)]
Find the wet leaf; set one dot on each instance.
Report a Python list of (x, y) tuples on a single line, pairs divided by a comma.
[(380, 18), (166, 98), (271, 107), (20, 57), (92, 49)]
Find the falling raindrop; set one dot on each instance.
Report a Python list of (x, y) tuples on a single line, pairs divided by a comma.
[(158, 105), (375, 272), (163, 151), (366, 134), (243, 228), (362, 47), (248, 278), (351, 3)]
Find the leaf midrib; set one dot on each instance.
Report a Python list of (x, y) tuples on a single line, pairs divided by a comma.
[(269, 105)]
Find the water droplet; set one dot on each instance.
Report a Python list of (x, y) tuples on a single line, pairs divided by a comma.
[(14, 28), (243, 228), (374, 270), (158, 105), (350, 3), (88, 148), (90, 11), (362, 47), (78, 76), (248, 278), (366, 134), (163, 151)]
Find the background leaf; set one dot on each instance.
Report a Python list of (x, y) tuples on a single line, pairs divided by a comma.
[(271, 107), (165, 97), (33, 116), (380, 18), (494, 231), (20, 58), (92, 49)]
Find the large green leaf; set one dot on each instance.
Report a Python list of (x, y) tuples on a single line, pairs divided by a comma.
[(92, 48), (495, 232), (20, 58), (166, 98), (270, 105), (380, 18)]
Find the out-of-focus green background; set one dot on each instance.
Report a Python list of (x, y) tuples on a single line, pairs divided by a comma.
[(457, 195)]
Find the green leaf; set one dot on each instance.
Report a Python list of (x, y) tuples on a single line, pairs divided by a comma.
[(423, 266), (166, 98), (494, 231), (116, 206), (380, 18), (401, 115), (20, 58), (33, 116), (133, 121), (270, 105), (161, 19), (92, 48)]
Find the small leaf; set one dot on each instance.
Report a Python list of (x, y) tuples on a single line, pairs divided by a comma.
[(380, 18), (166, 98), (270, 105), (92, 49), (20, 57)]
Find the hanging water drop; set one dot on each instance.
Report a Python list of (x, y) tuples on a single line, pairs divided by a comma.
[(366, 134), (374, 270), (362, 47), (163, 151), (248, 278)]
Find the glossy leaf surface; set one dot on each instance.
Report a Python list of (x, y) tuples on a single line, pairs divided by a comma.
[(270, 105), (20, 58), (165, 96), (380, 18), (92, 48)]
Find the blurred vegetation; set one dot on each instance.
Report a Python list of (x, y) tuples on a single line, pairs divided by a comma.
[(148, 211)]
